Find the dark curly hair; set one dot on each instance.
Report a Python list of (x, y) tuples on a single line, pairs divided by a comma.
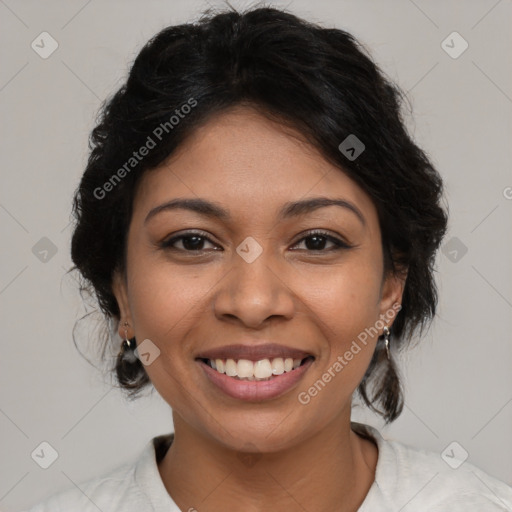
[(319, 81)]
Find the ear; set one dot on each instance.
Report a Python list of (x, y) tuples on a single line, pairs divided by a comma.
[(392, 290), (120, 290)]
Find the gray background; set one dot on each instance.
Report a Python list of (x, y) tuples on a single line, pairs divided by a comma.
[(458, 381)]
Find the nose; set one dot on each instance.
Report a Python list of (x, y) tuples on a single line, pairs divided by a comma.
[(252, 293)]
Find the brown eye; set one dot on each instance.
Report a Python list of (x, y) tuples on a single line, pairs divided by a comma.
[(191, 242), (317, 240)]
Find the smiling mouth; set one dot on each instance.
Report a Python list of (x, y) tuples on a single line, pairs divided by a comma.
[(264, 369)]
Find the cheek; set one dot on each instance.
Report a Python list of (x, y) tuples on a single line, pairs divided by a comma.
[(346, 304), (164, 302), (346, 298), (348, 312)]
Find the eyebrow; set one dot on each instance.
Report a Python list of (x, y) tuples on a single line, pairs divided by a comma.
[(289, 210)]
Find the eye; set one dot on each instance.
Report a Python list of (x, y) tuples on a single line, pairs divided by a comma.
[(191, 242), (317, 240)]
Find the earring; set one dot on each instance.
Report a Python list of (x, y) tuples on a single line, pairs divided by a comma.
[(126, 344), (387, 337)]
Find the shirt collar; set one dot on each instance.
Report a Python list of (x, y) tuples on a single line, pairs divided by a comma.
[(150, 482)]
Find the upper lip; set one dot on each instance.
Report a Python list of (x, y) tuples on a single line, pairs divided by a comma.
[(253, 352)]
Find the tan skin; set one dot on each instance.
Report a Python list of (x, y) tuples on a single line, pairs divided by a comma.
[(185, 300)]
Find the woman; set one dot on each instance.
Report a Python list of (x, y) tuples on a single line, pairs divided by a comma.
[(262, 230)]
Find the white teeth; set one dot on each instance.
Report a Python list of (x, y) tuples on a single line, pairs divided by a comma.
[(258, 370), (262, 369), (244, 368), (277, 366), (231, 368)]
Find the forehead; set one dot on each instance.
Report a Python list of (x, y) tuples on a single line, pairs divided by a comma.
[(246, 162)]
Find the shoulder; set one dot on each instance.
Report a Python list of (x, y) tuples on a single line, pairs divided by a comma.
[(117, 490), (445, 481), (409, 479)]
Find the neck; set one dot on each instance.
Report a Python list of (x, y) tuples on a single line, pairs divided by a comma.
[(333, 470)]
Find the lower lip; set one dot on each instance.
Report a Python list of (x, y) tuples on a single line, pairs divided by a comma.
[(255, 391)]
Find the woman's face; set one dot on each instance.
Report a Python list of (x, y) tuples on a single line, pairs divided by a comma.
[(254, 277)]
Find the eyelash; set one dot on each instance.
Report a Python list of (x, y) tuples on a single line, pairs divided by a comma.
[(338, 244)]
